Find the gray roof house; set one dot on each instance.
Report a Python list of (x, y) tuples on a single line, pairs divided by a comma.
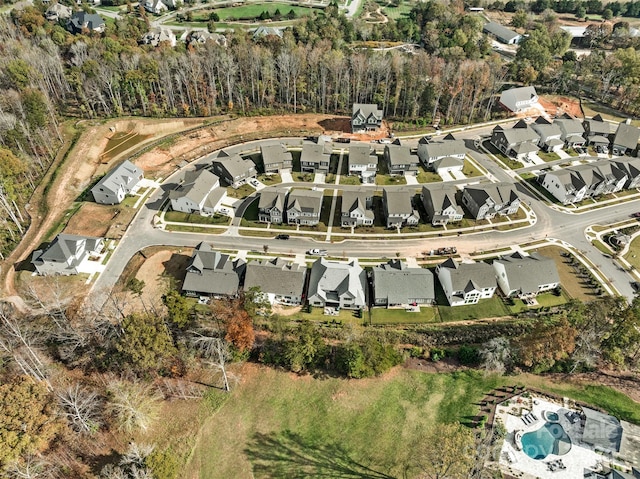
[(279, 281), (211, 273), (271, 205), (315, 157), (66, 255), (398, 208), (155, 6), (625, 141), (572, 131), (501, 33), (304, 207), (550, 134), (395, 284), (631, 166), (365, 117), (232, 169), (199, 37), (263, 31), (602, 431), (81, 21), (156, 36), (335, 284), (356, 208), (565, 185), (199, 192), (363, 162), (466, 283), (57, 11), (526, 276), (436, 150), (275, 158), (597, 131), (486, 200), (519, 99), (440, 203), (118, 183), (517, 142), (400, 160)]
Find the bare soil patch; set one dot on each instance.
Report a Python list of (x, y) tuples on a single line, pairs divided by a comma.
[(50, 289), (92, 219), (558, 105)]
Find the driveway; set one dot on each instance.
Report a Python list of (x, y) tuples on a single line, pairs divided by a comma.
[(411, 179), (458, 175), (286, 176), (563, 154), (319, 178), (446, 176), (534, 159)]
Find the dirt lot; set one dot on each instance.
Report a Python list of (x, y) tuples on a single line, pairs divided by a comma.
[(558, 105), (93, 219)]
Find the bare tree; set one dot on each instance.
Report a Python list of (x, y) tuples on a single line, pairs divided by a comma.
[(134, 405), (495, 355), (30, 467), (82, 408), (217, 350)]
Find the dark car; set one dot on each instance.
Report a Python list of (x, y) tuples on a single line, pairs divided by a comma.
[(282, 237), (636, 214)]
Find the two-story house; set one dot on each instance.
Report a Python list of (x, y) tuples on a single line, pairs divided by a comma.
[(625, 141), (486, 200), (303, 207), (466, 283), (233, 170), (363, 162), (199, 192), (519, 99), (365, 117), (597, 132), (398, 208), (525, 276), (565, 185), (518, 142), (395, 284), (572, 131), (357, 208), (400, 160), (431, 151), (66, 255), (271, 205), (315, 158), (550, 134), (211, 273), (121, 181), (631, 167), (276, 280), (337, 285), (275, 158), (440, 203)]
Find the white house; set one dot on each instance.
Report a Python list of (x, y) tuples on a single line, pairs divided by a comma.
[(66, 255), (440, 203), (526, 276), (519, 99), (466, 283), (363, 162), (200, 193), (121, 181)]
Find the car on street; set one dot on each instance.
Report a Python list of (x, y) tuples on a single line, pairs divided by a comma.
[(636, 214), (317, 252), (254, 183), (282, 237)]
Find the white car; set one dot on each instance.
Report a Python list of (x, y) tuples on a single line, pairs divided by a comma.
[(254, 183), (317, 252)]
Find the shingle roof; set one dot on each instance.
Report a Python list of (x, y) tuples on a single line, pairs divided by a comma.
[(314, 153), (500, 31), (352, 199), (234, 164), (569, 126), (399, 283), (366, 109), (447, 162), (361, 155), (527, 273), (211, 272), (400, 155), (518, 135), (331, 279), (92, 21), (627, 136), (275, 154), (597, 126), (500, 193), (272, 198), (276, 276), (442, 196), (398, 201), (65, 246), (196, 186), (125, 175), (305, 200), (470, 276), (441, 148)]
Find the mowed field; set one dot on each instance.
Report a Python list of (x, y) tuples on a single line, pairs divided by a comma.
[(276, 424)]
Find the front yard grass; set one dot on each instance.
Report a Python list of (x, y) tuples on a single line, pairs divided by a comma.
[(509, 162), (572, 285), (633, 255), (384, 180), (179, 217), (270, 179), (349, 180), (548, 156), (469, 170), (425, 176), (485, 308), (241, 192)]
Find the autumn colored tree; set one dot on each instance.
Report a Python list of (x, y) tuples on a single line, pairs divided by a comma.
[(549, 341), (445, 452), (237, 324)]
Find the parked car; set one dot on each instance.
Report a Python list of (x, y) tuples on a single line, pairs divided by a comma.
[(254, 183), (282, 237), (636, 214), (317, 252), (343, 140)]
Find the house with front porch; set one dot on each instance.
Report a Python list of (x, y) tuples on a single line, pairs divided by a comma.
[(275, 158), (315, 157), (365, 117), (431, 151), (337, 285), (67, 255), (303, 207), (397, 285), (398, 208), (121, 181), (525, 276), (466, 283), (486, 200), (363, 162), (565, 185), (440, 203), (400, 160), (211, 273), (271, 205), (517, 142), (597, 132), (233, 169), (357, 208), (550, 134), (199, 193), (572, 131), (278, 281)]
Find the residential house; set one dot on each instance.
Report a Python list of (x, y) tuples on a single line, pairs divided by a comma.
[(158, 36), (357, 208), (398, 208), (121, 181), (397, 285), (278, 281), (597, 132), (67, 254), (82, 21), (271, 205), (275, 158), (519, 99), (526, 276), (431, 151), (57, 11), (595, 177), (199, 192), (466, 283), (565, 185), (488, 199), (200, 37), (447, 165), (363, 162), (232, 169), (337, 285), (315, 158), (262, 32), (440, 203), (501, 33), (550, 134), (572, 131), (625, 141), (631, 167), (157, 7), (400, 160), (303, 207), (365, 117), (211, 273), (517, 142)]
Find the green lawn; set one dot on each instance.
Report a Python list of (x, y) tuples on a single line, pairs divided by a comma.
[(399, 11), (304, 177), (509, 162), (427, 314), (179, 217), (241, 192), (425, 176), (551, 156), (384, 180), (486, 308), (349, 180), (254, 10), (544, 300), (633, 256), (469, 170)]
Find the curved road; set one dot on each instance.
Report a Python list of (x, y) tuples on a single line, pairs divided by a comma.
[(551, 223)]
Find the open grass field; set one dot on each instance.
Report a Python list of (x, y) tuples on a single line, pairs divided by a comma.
[(276, 424), (574, 286), (251, 11), (633, 255)]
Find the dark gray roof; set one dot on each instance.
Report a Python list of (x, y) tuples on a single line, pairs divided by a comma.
[(272, 198), (500, 193), (276, 276), (569, 126), (361, 155), (518, 135), (81, 20), (65, 246), (597, 126), (305, 200), (331, 279), (366, 110), (500, 31), (601, 430), (547, 129), (470, 276), (439, 149), (398, 283), (398, 201), (527, 273), (196, 186), (314, 153), (569, 179), (235, 165), (275, 154), (627, 136), (212, 272), (352, 199), (442, 197), (400, 155)]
